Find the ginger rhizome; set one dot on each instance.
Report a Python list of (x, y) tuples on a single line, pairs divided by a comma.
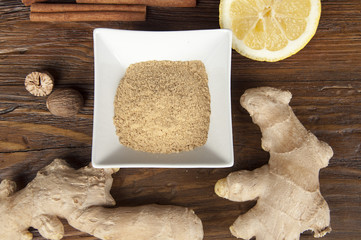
[(80, 197), (289, 201)]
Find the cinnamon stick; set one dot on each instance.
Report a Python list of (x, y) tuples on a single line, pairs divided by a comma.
[(153, 3), (58, 7), (30, 2), (171, 3), (142, 2), (86, 16)]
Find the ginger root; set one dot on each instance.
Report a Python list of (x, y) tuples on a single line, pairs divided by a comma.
[(289, 201), (79, 196)]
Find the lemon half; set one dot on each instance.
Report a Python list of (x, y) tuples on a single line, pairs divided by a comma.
[(270, 30)]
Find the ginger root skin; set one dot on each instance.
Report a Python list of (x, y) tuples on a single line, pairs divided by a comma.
[(81, 196), (289, 201)]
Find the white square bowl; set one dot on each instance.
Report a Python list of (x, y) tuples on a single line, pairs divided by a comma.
[(115, 50)]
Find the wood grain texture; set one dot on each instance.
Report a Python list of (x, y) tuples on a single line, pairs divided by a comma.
[(324, 77)]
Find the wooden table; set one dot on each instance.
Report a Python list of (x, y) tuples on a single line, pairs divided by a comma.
[(325, 79)]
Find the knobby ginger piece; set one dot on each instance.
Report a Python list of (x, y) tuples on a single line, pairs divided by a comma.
[(289, 201), (79, 196)]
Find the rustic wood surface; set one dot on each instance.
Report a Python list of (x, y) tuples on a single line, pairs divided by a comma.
[(324, 77)]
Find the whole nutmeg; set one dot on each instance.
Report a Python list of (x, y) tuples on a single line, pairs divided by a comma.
[(65, 102)]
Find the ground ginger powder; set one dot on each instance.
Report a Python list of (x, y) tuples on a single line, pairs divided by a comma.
[(163, 106)]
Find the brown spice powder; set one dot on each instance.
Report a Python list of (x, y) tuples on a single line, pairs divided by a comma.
[(163, 106)]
